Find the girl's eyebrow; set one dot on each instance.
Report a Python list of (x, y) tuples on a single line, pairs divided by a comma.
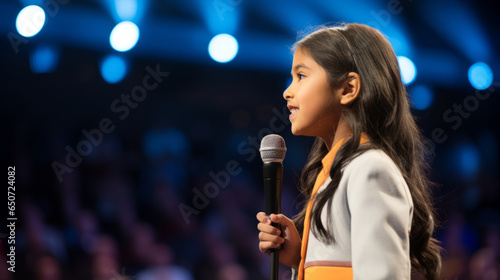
[(301, 65)]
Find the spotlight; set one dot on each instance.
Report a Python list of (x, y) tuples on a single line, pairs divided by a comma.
[(124, 36), (113, 69), (480, 75), (30, 21), (223, 48), (126, 9), (408, 70), (422, 97)]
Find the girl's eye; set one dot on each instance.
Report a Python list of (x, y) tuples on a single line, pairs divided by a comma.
[(301, 76)]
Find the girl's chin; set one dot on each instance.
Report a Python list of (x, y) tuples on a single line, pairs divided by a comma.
[(296, 131), (301, 132)]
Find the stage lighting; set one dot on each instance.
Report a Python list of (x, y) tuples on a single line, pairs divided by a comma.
[(468, 160), (30, 21), (126, 9), (43, 59), (223, 48), (480, 75), (422, 97), (124, 36), (113, 69), (408, 70)]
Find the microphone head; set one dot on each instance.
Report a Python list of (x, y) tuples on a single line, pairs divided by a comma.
[(272, 148)]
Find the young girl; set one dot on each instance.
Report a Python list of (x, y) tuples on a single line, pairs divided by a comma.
[(368, 211)]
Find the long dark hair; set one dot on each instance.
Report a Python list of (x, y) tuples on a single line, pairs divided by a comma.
[(382, 111)]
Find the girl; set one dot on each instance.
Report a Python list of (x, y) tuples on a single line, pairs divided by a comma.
[(364, 182)]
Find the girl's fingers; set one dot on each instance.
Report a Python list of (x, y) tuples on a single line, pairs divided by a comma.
[(265, 246), (266, 237), (261, 216), (281, 219), (278, 219), (268, 229)]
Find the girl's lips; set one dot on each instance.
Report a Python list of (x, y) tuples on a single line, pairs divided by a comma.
[(291, 108), (293, 112)]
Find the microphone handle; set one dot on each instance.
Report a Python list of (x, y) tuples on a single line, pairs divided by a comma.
[(273, 181), (274, 268)]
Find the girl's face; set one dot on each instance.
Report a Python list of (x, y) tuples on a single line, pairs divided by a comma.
[(314, 106)]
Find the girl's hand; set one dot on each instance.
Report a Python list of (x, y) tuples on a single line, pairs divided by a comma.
[(270, 238)]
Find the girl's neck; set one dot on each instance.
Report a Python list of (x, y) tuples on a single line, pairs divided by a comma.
[(343, 129)]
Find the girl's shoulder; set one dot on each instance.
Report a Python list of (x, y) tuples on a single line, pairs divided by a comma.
[(373, 159), (375, 171), (372, 163)]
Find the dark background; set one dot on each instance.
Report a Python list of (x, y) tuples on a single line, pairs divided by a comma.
[(116, 215)]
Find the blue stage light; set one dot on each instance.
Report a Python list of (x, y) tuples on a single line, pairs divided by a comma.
[(113, 69), (408, 70), (124, 36), (126, 9), (219, 16), (422, 97), (30, 20), (480, 75), (471, 38), (223, 48), (468, 161), (44, 59)]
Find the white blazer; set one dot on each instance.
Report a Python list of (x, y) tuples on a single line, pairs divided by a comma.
[(371, 212)]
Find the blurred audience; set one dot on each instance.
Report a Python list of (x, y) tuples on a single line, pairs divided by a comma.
[(116, 217), (47, 268)]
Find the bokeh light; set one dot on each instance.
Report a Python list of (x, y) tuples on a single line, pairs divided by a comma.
[(480, 75), (44, 59), (422, 97), (223, 48), (30, 21), (124, 36), (408, 70), (468, 160), (113, 69)]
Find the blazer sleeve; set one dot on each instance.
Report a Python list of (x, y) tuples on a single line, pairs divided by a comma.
[(295, 274), (381, 208)]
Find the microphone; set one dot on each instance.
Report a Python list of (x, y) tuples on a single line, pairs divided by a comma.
[(272, 151)]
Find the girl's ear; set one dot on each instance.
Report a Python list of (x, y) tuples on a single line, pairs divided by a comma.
[(351, 88)]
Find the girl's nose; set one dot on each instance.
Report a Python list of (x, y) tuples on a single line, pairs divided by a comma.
[(287, 94)]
